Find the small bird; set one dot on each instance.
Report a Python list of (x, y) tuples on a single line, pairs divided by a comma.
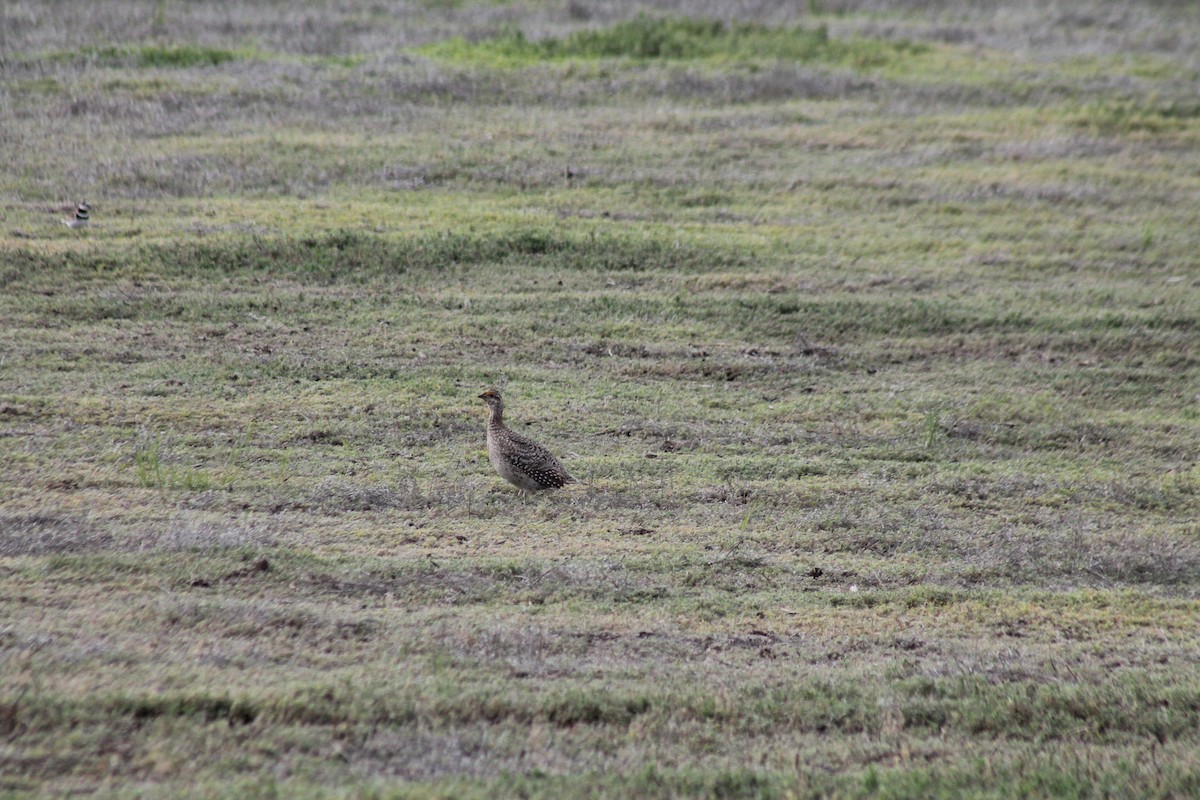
[(80, 220), (521, 461)]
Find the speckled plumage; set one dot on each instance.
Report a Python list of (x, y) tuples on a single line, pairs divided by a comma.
[(521, 461)]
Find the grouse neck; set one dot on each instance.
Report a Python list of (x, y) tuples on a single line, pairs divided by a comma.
[(496, 417)]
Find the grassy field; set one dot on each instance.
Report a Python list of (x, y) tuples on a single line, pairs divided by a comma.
[(872, 329)]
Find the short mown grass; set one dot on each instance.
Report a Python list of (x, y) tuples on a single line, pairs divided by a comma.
[(870, 333)]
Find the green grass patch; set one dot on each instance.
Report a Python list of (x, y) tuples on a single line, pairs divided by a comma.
[(1141, 116), (348, 256), (647, 38), (180, 57), (185, 56)]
